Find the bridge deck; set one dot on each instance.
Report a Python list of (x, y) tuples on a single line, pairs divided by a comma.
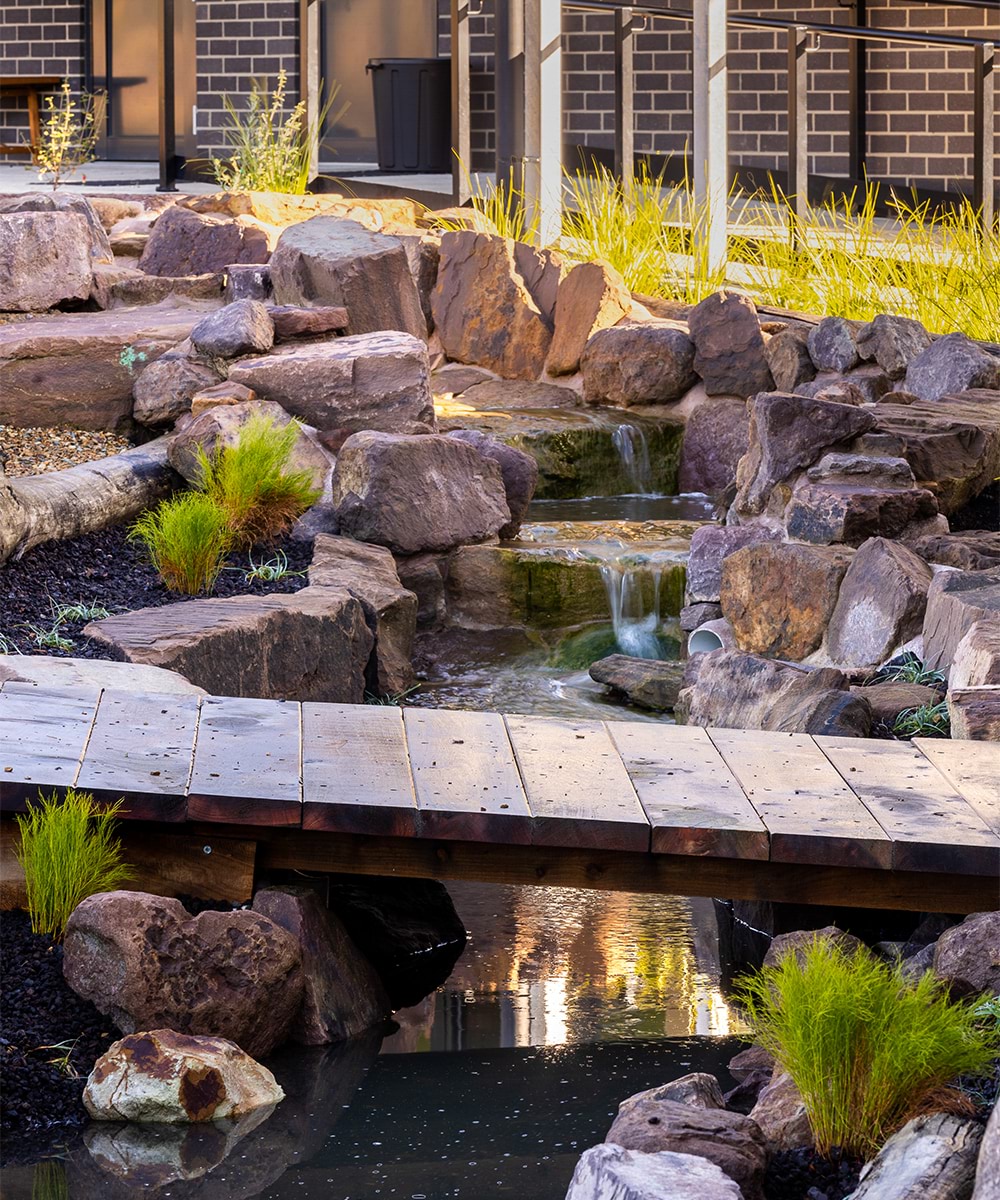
[(528, 799)]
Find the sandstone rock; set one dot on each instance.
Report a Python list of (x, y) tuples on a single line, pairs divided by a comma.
[(414, 494), (953, 363), (988, 1164), (423, 256), (651, 1124), (44, 260), (697, 1090), (871, 382), (729, 346), (591, 297), (975, 713), (542, 271), (648, 362), (163, 1077), (370, 381), (280, 208), (163, 390), (227, 392), (781, 1115), (221, 425), (850, 512), (147, 964), (110, 210), (930, 1158), (977, 656), (240, 328), (967, 956), (368, 573), (423, 574), (788, 433), (610, 1173), (733, 690), (880, 605), (892, 342), (484, 312), (956, 600), (788, 358), (754, 1058), (970, 550), (711, 545), (184, 242), (692, 616), (888, 700), (79, 369), (310, 645), (646, 682), (48, 672), (518, 470), (343, 996), (128, 245), (291, 321), (716, 437), (833, 344), (247, 281), (779, 597), (98, 243), (800, 940), (128, 289), (328, 261)]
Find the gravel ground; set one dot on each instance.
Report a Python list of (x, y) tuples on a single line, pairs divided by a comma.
[(34, 451), (106, 569)]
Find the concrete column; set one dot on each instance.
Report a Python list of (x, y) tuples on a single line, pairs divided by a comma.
[(711, 139)]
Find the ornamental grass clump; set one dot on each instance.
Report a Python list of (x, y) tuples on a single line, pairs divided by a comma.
[(251, 482), (187, 539), (865, 1048), (68, 852)]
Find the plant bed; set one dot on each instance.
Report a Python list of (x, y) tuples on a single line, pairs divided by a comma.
[(793, 1174), (107, 570)]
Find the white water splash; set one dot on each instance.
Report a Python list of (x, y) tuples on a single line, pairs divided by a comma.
[(635, 629)]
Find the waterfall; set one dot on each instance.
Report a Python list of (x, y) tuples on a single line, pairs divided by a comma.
[(633, 450), (635, 629)]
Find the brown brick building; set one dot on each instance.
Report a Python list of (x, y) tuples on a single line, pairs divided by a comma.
[(918, 115)]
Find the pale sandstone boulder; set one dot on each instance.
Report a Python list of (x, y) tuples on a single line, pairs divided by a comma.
[(44, 260), (975, 713), (610, 1172), (592, 296), (977, 656), (957, 600), (781, 1114), (931, 1158)]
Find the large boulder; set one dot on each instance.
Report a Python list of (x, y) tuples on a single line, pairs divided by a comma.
[(892, 342), (977, 656), (729, 346), (711, 545), (329, 261), (648, 683), (368, 573), (184, 242), (788, 433), (369, 381), (79, 369), (342, 996), (414, 494), (647, 362), (484, 310), (44, 260), (308, 645), (239, 328), (780, 1113), (163, 1077), (652, 1123), (974, 713), (610, 1172), (967, 956), (880, 605), (164, 389), (716, 436), (518, 469), (779, 596), (956, 600), (931, 1158), (592, 296), (953, 363), (88, 207), (146, 963), (732, 690)]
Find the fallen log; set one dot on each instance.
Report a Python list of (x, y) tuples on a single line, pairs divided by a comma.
[(82, 499)]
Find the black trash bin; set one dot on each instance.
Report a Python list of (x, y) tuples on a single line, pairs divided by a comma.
[(412, 113)]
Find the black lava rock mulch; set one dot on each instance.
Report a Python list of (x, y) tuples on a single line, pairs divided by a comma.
[(802, 1174), (105, 568), (42, 1019)]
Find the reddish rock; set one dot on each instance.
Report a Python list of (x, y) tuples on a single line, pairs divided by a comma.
[(518, 469), (164, 389), (711, 545), (291, 321), (243, 327), (967, 956), (592, 296), (183, 242), (44, 260), (956, 600), (970, 550), (977, 656), (716, 436), (800, 940), (147, 964), (647, 362), (888, 700), (788, 357), (729, 346), (781, 1115), (975, 713)]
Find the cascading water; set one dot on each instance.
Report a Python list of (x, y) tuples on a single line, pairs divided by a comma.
[(635, 628), (633, 450)]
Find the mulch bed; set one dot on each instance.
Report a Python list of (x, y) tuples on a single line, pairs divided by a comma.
[(801, 1173), (105, 568), (38, 450)]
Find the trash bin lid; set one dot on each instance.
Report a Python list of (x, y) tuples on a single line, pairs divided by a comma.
[(375, 63)]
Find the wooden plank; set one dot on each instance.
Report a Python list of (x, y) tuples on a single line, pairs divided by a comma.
[(43, 733), (810, 813), (932, 827), (693, 801), (465, 778), (972, 769), (247, 762), (578, 789), (666, 874), (355, 770), (140, 750)]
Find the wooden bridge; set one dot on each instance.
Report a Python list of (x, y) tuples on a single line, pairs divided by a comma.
[(216, 788)]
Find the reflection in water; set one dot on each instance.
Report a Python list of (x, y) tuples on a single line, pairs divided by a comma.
[(690, 507)]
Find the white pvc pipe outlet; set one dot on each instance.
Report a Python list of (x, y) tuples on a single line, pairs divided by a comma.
[(713, 635)]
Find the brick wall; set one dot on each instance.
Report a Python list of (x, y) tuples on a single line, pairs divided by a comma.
[(37, 38)]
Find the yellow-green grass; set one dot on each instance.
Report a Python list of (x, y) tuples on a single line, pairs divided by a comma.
[(187, 539)]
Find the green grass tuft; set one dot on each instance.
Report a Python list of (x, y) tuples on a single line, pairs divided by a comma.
[(68, 853), (929, 720), (864, 1047), (187, 539)]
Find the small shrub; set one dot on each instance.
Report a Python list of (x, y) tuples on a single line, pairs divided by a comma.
[(865, 1048), (251, 482), (929, 720), (270, 571), (70, 132), (908, 669), (68, 853), (187, 539)]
